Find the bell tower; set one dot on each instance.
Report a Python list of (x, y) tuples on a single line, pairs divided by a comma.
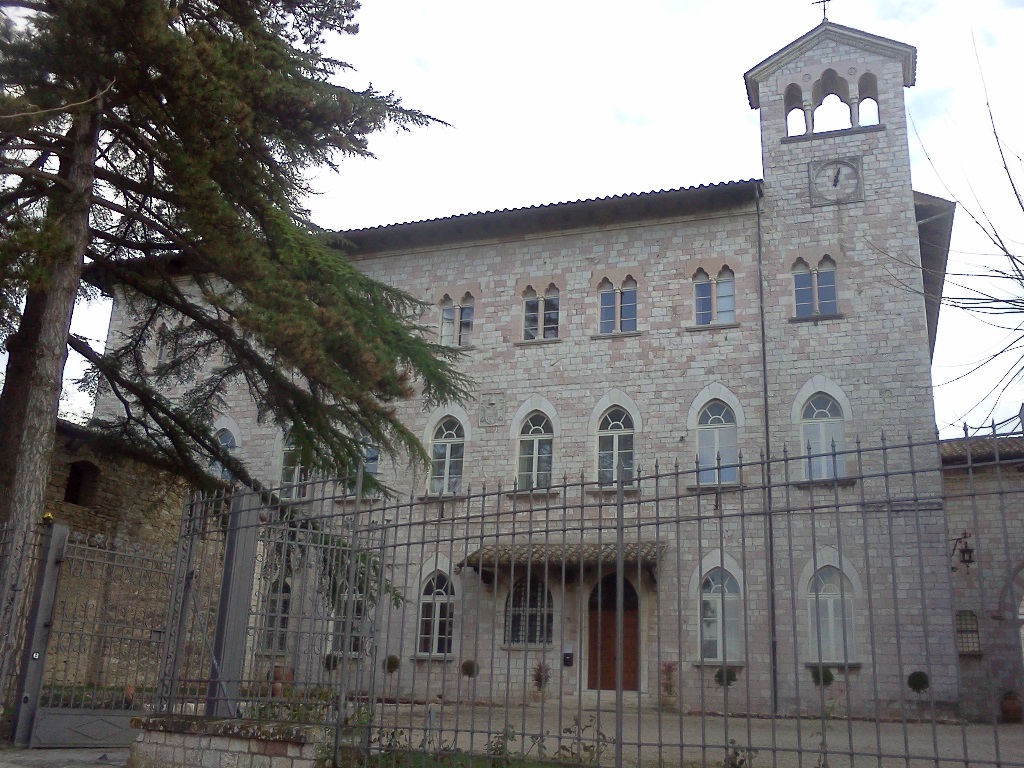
[(843, 278)]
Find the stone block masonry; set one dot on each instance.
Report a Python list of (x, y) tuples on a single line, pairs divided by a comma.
[(188, 742)]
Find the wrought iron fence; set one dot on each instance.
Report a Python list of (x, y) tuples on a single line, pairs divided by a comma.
[(802, 612)]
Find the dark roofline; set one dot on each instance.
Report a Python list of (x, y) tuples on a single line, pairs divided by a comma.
[(518, 222), (934, 230), (864, 40), (976, 451)]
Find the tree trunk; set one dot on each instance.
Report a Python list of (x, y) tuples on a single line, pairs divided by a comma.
[(38, 351)]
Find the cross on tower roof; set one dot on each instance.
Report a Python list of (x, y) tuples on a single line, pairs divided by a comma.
[(824, 8)]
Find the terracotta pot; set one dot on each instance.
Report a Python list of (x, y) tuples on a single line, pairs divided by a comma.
[(1012, 709), (280, 675)]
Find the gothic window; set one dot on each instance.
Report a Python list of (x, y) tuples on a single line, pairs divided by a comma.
[(831, 94), (822, 431), (446, 454), (830, 616), (536, 442), (793, 104), (347, 631), (529, 613), (867, 106), (714, 299), (278, 611), (226, 440), (617, 307), (294, 471), (457, 321), (968, 638), (615, 446), (540, 314), (720, 637), (815, 289), (437, 615), (717, 453)]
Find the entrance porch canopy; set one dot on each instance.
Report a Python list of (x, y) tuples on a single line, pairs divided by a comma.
[(568, 555)]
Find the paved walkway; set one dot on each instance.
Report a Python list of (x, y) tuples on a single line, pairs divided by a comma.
[(14, 757)]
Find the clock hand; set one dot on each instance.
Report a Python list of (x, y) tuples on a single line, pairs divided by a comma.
[(835, 180)]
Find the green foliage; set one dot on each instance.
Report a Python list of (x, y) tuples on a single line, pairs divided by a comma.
[(212, 115), (541, 674), (668, 678), (822, 676), (391, 664), (918, 681), (725, 676), (470, 668)]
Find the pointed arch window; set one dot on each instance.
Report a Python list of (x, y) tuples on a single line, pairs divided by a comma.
[(540, 314), (714, 299), (529, 612), (447, 450), (822, 431), (830, 604), (720, 636), (536, 446), (437, 615), (457, 321), (717, 454), (618, 307), (815, 292), (615, 446)]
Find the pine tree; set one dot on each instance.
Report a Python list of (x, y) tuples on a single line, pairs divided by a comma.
[(163, 146)]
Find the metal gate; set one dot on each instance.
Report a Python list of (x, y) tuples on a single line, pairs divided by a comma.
[(92, 656)]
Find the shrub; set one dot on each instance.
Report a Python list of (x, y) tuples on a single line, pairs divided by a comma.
[(725, 676), (668, 678), (822, 676), (541, 675), (918, 681), (470, 668), (391, 664)]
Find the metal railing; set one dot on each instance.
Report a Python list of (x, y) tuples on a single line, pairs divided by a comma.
[(660, 620)]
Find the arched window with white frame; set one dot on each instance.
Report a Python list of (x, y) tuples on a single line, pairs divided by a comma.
[(536, 452), (822, 434), (295, 472), (529, 612), (720, 612), (447, 450), (437, 615), (226, 440), (830, 612), (615, 446), (717, 452)]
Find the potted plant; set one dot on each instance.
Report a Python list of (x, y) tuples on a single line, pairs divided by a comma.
[(725, 677), (1011, 707), (822, 676), (469, 669), (918, 682), (541, 675), (668, 684)]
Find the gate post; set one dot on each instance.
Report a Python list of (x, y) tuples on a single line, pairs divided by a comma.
[(33, 658), (231, 637)]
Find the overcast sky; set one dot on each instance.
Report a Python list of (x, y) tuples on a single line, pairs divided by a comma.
[(556, 100)]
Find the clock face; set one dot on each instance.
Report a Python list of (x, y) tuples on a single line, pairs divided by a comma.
[(836, 181)]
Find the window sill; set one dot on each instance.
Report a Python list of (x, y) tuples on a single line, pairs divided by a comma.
[(815, 318), (842, 482), (835, 666), (826, 134), (524, 647), (460, 496), (534, 492), (711, 327), (431, 658), (712, 664), (616, 335), (971, 654), (535, 342), (610, 490), (715, 487)]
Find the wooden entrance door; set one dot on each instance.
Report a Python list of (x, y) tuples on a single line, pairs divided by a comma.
[(601, 636)]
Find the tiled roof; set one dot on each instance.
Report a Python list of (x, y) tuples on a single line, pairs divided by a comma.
[(981, 449), (580, 553)]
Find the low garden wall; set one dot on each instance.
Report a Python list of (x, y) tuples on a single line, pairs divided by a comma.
[(178, 741)]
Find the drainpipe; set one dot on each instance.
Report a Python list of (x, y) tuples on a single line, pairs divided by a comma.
[(770, 555)]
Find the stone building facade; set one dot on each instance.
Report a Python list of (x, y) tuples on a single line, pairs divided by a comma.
[(745, 334)]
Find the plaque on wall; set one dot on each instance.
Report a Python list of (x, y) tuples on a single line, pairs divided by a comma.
[(492, 409)]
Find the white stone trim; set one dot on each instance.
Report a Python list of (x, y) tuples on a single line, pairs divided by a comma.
[(714, 391)]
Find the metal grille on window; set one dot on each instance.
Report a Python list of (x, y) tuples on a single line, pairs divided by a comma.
[(529, 613), (968, 638)]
